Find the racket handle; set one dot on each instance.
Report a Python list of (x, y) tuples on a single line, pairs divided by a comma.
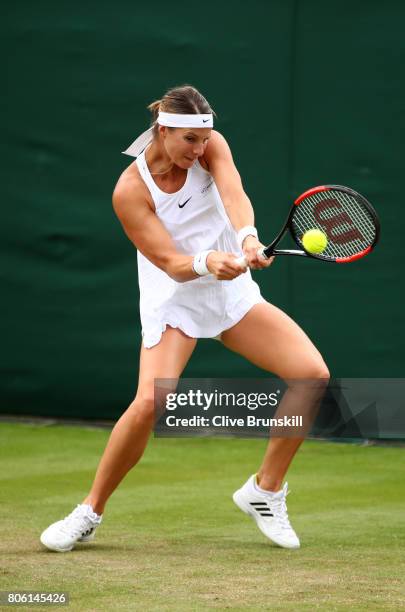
[(242, 261)]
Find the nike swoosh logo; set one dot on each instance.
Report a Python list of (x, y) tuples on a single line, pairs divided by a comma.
[(184, 203), (205, 120)]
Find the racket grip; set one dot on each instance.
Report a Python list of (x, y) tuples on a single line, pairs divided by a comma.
[(242, 261)]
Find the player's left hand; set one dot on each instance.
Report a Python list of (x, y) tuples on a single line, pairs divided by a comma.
[(251, 249)]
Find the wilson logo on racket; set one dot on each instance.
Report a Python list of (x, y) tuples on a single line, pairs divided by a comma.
[(349, 221), (338, 227)]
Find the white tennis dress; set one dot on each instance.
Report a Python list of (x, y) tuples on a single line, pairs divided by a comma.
[(196, 219)]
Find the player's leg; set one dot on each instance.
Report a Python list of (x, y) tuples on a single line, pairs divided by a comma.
[(270, 339), (127, 441), (273, 341), (130, 435)]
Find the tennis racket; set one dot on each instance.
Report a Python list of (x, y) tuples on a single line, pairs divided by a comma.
[(346, 217)]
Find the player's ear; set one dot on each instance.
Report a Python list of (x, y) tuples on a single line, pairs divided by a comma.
[(162, 131)]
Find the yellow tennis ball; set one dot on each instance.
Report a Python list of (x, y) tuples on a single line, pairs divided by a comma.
[(314, 241)]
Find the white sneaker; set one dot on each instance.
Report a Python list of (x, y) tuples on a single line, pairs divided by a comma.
[(269, 510), (79, 526)]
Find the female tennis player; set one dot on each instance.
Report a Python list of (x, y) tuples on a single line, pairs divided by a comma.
[(182, 204)]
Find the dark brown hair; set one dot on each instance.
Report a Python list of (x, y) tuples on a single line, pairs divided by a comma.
[(183, 100)]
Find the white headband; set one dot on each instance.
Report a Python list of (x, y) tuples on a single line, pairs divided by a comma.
[(185, 121), (169, 120)]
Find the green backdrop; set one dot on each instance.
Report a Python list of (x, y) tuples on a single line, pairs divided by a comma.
[(306, 92)]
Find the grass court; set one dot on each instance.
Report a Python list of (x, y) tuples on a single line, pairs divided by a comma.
[(172, 538)]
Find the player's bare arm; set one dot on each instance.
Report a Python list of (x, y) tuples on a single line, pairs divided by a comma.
[(236, 202), (145, 230)]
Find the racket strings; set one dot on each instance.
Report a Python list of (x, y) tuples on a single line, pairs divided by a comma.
[(359, 215), (354, 240), (348, 224)]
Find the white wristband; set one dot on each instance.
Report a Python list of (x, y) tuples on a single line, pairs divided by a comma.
[(200, 263), (243, 233)]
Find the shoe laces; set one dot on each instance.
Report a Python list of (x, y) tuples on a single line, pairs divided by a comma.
[(77, 521), (278, 506)]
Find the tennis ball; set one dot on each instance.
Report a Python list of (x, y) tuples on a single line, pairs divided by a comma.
[(314, 241)]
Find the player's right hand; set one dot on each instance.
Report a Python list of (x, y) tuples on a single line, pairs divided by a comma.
[(223, 265)]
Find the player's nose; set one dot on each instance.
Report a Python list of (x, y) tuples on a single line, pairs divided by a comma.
[(198, 150)]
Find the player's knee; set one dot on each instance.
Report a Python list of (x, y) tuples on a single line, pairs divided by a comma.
[(144, 406), (319, 371)]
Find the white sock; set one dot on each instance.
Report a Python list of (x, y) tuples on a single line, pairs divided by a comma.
[(95, 515)]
